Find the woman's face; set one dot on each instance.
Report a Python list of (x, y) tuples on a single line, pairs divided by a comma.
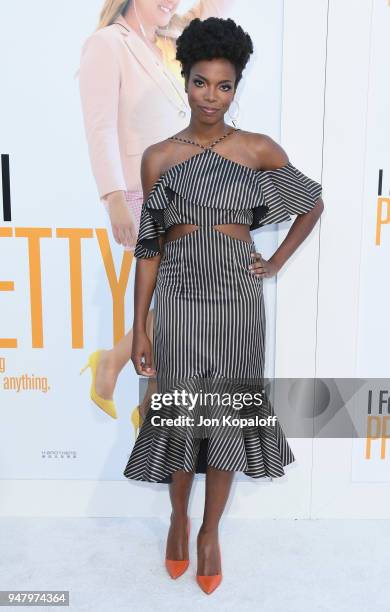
[(156, 12), (210, 89)]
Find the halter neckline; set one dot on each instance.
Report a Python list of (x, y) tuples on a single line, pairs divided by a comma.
[(204, 146), (208, 150)]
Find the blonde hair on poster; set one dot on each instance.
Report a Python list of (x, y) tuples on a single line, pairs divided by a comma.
[(110, 11), (113, 8)]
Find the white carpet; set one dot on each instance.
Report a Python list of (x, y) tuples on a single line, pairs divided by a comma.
[(116, 565)]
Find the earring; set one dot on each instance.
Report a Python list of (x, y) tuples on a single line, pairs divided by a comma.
[(234, 119)]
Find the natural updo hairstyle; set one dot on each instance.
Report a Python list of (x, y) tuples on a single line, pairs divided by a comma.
[(210, 39)]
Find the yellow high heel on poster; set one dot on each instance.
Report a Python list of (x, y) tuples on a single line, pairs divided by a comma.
[(136, 420), (108, 405)]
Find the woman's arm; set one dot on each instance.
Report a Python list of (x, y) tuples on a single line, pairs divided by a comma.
[(272, 156), (99, 82), (299, 230), (145, 277)]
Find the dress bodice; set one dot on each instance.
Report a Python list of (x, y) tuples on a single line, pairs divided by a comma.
[(178, 211), (209, 189)]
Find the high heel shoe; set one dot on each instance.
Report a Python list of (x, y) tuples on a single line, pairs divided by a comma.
[(108, 405), (136, 420), (174, 567), (208, 584)]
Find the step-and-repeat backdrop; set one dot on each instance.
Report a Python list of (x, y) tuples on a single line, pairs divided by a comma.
[(371, 455), (66, 286)]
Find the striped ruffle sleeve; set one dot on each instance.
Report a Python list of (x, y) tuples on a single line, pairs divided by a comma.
[(152, 224), (287, 191)]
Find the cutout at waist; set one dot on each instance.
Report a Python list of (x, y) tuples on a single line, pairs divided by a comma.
[(239, 231)]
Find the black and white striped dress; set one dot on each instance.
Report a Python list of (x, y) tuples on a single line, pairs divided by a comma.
[(209, 318)]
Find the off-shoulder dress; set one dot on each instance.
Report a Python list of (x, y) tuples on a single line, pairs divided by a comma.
[(209, 320)]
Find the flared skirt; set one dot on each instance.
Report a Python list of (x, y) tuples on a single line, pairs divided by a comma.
[(211, 407)]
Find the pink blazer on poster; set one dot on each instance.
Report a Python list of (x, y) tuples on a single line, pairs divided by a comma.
[(128, 102)]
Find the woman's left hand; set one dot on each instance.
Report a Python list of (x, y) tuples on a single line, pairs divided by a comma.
[(261, 267)]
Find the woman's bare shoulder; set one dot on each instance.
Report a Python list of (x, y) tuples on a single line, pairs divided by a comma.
[(268, 153), (157, 153), (156, 158), (163, 154)]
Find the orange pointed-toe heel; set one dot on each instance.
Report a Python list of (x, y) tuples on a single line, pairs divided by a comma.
[(208, 584), (175, 567)]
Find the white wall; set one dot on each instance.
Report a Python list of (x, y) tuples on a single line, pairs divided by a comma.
[(338, 278)]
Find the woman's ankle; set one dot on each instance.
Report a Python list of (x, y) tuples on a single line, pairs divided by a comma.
[(208, 529), (179, 516)]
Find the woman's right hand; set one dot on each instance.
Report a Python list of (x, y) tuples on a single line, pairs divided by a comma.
[(123, 224), (141, 354)]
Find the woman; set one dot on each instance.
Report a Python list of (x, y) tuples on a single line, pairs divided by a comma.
[(132, 95), (207, 187)]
